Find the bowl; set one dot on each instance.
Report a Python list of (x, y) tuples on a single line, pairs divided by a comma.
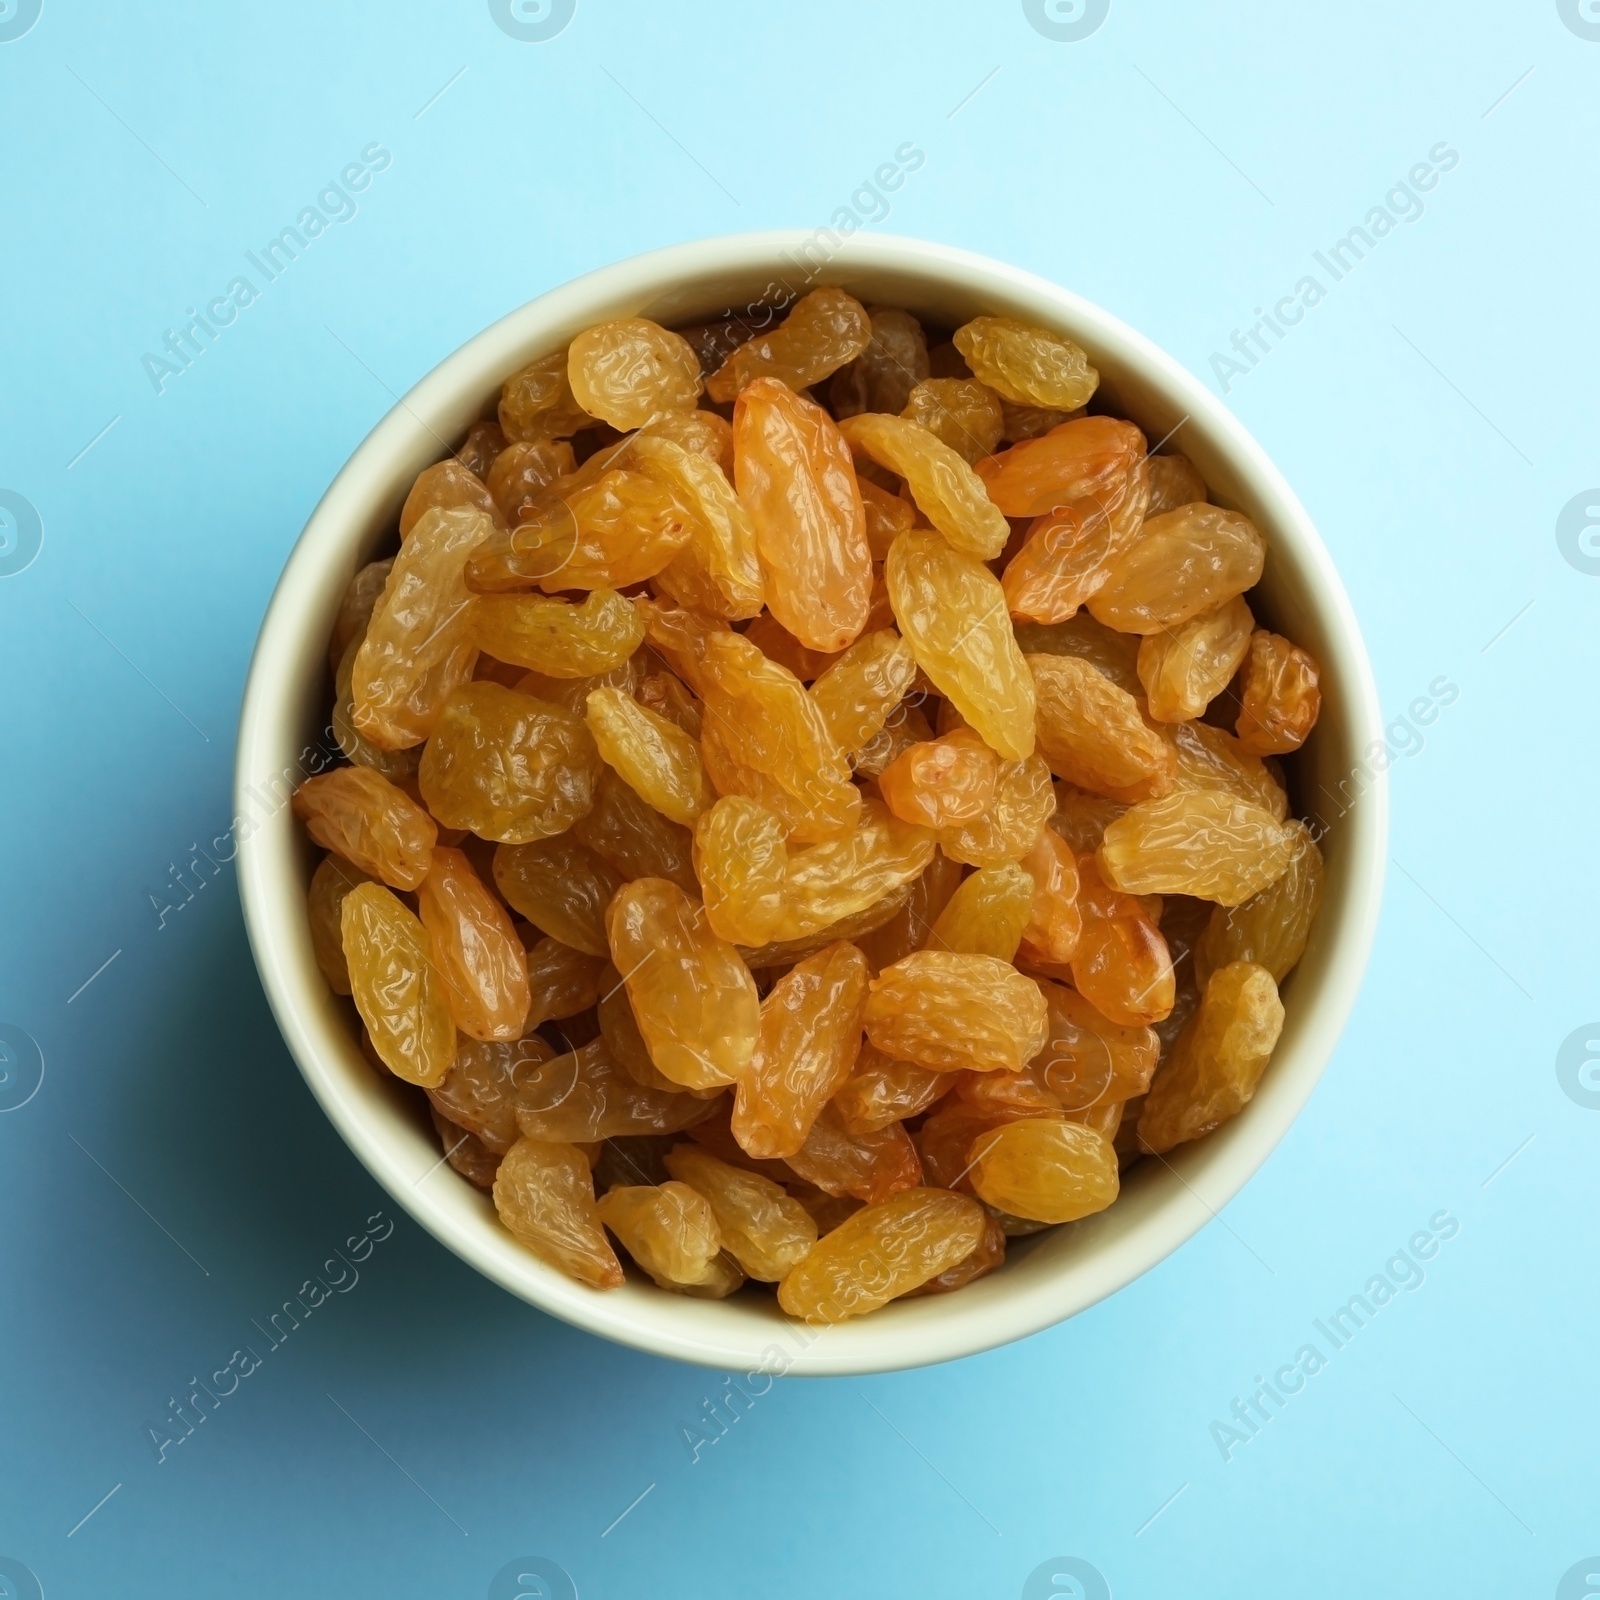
[(1048, 1277)]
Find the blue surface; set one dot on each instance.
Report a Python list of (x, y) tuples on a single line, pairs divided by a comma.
[(171, 1179)]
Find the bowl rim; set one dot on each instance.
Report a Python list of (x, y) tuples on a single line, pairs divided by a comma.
[(1199, 1179)]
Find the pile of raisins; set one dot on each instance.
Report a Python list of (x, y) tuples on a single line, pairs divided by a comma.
[(813, 811)]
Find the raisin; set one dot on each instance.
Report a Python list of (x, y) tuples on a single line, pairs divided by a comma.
[(398, 992), (396, 765), (466, 1152), (742, 861), (448, 486), (355, 609), (1185, 669), (989, 1256), (665, 694), (777, 644), (792, 467), (862, 685), (887, 516), (634, 838), (479, 1093), (561, 887), (764, 1230), (537, 402), (883, 375), (484, 441), (1197, 842), (562, 982), (330, 883), (585, 1095), (671, 1232), (824, 330), (907, 929), (1023, 803), (1029, 422), (952, 1011), (556, 637), (960, 412), (1092, 733), (1088, 1059), (1027, 365), (508, 767), (1174, 482), (1271, 927), (809, 1038), (654, 757), (946, 490), (865, 1166), (1218, 1059), (1113, 655), (1045, 1169), (522, 476), (986, 914), (545, 1197), (475, 949), (1068, 554), (1185, 562), (902, 728), (702, 433), (630, 371), (883, 1251), (881, 1090), (1054, 924), (1122, 965), (694, 998), (951, 611), (361, 816), (1280, 698), (1081, 818), (419, 644), (839, 878), (1092, 458), (942, 783)]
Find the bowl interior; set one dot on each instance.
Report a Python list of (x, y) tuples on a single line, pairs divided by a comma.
[(1046, 1277)]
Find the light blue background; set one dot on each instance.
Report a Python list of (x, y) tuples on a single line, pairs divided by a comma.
[(173, 1179)]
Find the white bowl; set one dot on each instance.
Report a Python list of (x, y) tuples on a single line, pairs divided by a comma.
[(1048, 1277)]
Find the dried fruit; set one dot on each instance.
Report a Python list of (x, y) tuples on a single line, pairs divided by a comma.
[(1092, 733), (1185, 562), (1089, 459), (908, 928), (882, 376), (479, 1093), (396, 988), (887, 517), (741, 858), (633, 838), (355, 609), (330, 883), (363, 817), (1218, 1059), (942, 783), (1183, 670), (561, 887), (545, 1197), (762, 1228), (1211, 758), (419, 643), (989, 1256), (1088, 1059), (561, 981), (1113, 655), (665, 694), (881, 1090), (1280, 698), (1081, 819), (671, 1232), (1174, 482), (475, 949), (521, 477), (1122, 965), (654, 757), (719, 570), (1271, 927), (866, 1166), (947, 491), (792, 467), (1198, 842), (1023, 802), (986, 914), (446, 485), (840, 878), (1054, 923), (862, 686), (506, 766), (1027, 365), (960, 412), (951, 611), (1045, 1169), (693, 997), (466, 1152), (703, 433), (537, 402), (630, 371), (824, 330), (809, 1038), (881, 1252), (484, 441), (585, 1095), (556, 637), (956, 1011), (1069, 552)]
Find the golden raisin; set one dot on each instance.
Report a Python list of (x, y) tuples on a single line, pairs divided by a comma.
[(1091, 458), (330, 883), (862, 685), (1198, 842), (447, 485), (1027, 365), (961, 412), (361, 816), (986, 914), (950, 1011), (654, 757), (537, 402), (632, 837), (828, 882), (670, 1231), (398, 992), (475, 949), (824, 330), (1092, 733), (1023, 802), (942, 783), (556, 637), (630, 371), (1185, 562), (882, 376), (1045, 1169), (762, 1228), (1184, 669), (545, 1197), (1271, 927), (741, 858), (1280, 698), (561, 887), (522, 476), (586, 1095)]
